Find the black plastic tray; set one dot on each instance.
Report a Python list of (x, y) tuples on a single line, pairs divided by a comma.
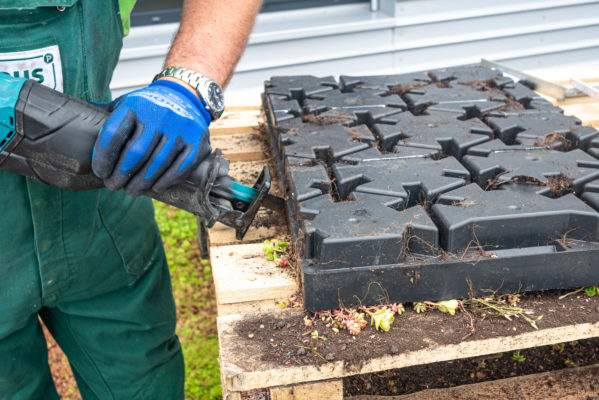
[(433, 185)]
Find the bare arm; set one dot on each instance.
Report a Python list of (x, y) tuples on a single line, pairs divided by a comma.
[(212, 36), (158, 135)]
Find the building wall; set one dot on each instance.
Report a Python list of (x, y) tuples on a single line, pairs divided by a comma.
[(404, 35)]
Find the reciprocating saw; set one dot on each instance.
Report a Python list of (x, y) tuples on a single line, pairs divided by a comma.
[(49, 136)]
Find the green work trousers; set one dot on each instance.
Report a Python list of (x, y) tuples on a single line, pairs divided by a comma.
[(90, 264)]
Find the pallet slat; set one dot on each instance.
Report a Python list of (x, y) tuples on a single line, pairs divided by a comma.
[(241, 147), (222, 235), (237, 122), (587, 113), (243, 275)]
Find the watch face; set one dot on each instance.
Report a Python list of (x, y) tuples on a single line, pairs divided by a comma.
[(215, 96)]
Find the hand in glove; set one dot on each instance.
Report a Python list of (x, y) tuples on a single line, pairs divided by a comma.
[(155, 137)]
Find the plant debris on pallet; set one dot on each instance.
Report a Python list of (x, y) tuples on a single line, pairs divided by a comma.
[(350, 335), (430, 185)]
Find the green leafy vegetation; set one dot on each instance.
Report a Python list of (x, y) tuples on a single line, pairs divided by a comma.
[(445, 306), (420, 307), (506, 306), (382, 319), (354, 319), (196, 306), (516, 356), (588, 290), (276, 251)]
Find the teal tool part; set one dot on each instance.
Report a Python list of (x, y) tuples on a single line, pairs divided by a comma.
[(9, 95), (242, 192)]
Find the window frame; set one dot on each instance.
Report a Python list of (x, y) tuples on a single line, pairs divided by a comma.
[(141, 17)]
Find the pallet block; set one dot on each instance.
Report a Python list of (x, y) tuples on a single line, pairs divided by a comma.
[(331, 390)]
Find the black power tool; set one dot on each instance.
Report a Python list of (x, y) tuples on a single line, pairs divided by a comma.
[(52, 139)]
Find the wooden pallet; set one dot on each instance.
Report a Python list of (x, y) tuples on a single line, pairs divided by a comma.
[(247, 284)]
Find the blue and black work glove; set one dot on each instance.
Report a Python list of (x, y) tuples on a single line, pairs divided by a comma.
[(155, 137)]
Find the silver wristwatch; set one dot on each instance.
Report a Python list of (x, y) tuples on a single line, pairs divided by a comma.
[(210, 91)]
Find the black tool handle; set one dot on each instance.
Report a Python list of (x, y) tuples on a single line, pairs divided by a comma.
[(55, 138)]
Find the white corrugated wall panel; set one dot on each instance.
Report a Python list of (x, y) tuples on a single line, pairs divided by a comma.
[(422, 11), (505, 25), (527, 46), (536, 33), (291, 53)]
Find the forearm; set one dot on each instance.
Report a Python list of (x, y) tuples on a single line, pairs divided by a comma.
[(212, 36)]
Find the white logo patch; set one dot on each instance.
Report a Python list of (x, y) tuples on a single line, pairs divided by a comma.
[(43, 65)]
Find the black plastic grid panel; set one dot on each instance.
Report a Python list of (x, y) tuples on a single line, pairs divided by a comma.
[(433, 185)]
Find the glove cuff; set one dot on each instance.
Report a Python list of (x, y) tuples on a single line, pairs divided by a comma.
[(182, 90)]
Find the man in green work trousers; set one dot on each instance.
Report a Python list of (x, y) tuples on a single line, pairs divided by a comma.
[(91, 264)]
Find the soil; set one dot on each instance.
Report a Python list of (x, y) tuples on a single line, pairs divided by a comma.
[(559, 184), (287, 341), (489, 86), (523, 179), (440, 83), (400, 89), (475, 370), (551, 138), (565, 384), (332, 117)]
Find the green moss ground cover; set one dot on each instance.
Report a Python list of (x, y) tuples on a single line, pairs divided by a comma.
[(196, 305)]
